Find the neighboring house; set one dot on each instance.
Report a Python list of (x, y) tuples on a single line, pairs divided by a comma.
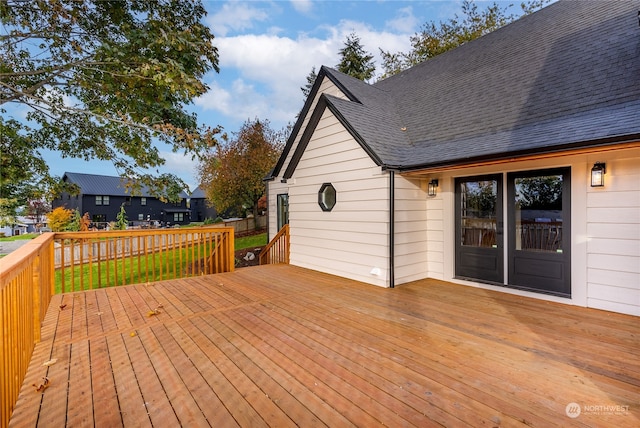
[(31, 224), (16, 229), (102, 196), (200, 208), (475, 166)]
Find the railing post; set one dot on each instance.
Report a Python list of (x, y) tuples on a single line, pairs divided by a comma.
[(231, 247)]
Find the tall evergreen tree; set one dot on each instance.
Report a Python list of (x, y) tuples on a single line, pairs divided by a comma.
[(354, 60), (311, 78)]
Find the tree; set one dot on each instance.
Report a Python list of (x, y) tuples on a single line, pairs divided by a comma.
[(59, 219), (434, 39), (101, 80), (539, 193), (74, 222), (121, 219), (37, 210), (232, 175), (354, 60), (85, 222), (311, 79)]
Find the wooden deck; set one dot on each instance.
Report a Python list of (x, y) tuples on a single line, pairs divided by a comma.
[(283, 346)]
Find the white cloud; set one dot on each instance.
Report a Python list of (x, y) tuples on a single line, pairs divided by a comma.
[(404, 21), (181, 165), (302, 6), (235, 16), (240, 102), (272, 68)]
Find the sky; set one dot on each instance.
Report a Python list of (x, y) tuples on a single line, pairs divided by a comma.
[(266, 51)]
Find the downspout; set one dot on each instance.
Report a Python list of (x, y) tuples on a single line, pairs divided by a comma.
[(391, 228)]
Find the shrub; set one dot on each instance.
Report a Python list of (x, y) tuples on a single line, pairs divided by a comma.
[(59, 219)]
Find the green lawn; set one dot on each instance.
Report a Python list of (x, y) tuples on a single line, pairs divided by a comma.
[(169, 264), (253, 241), (151, 267), (19, 237)]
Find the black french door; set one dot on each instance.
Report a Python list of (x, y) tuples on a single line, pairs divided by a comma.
[(479, 229), (540, 230)]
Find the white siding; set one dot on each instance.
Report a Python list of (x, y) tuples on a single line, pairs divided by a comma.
[(613, 236), (352, 239), (435, 236), (275, 186), (411, 253)]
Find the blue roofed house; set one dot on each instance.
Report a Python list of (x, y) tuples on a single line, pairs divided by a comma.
[(510, 163), (102, 196)]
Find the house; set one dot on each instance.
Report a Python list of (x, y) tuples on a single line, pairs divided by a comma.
[(102, 196), (200, 208), (510, 163)]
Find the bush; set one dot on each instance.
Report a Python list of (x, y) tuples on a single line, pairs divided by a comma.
[(208, 220), (59, 219)]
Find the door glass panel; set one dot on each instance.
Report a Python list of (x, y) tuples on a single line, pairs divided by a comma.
[(538, 213), (478, 213)]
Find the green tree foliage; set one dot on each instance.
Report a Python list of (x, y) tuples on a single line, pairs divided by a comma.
[(354, 60), (539, 193), (480, 199), (100, 80), (232, 174), (74, 222), (434, 39), (311, 78), (121, 219)]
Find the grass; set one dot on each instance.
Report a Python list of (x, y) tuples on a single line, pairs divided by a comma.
[(19, 237), (251, 241), (152, 266)]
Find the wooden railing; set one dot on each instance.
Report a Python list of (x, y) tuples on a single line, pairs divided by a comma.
[(86, 260), (277, 250), (539, 236), (61, 262), (26, 278)]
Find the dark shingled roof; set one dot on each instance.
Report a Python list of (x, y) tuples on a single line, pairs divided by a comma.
[(92, 184), (198, 193), (567, 76)]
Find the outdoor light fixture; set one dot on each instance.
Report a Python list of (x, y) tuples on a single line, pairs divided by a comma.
[(597, 174), (432, 187)]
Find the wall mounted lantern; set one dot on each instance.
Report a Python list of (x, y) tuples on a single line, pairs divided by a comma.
[(597, 174), (432, 187)]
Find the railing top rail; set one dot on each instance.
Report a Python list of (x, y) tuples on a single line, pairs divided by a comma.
[(14, 262), (141, 232)]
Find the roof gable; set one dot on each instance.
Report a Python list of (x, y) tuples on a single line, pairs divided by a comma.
[(341, 81)]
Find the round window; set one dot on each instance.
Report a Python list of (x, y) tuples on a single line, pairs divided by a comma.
[(327, 197)]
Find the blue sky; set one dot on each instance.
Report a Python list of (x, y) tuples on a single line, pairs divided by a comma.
[(267, 49)]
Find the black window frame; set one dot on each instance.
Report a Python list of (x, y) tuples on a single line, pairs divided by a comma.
[(325, 205)]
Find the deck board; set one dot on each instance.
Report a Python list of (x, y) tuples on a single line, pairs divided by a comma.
[(285, 346)]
